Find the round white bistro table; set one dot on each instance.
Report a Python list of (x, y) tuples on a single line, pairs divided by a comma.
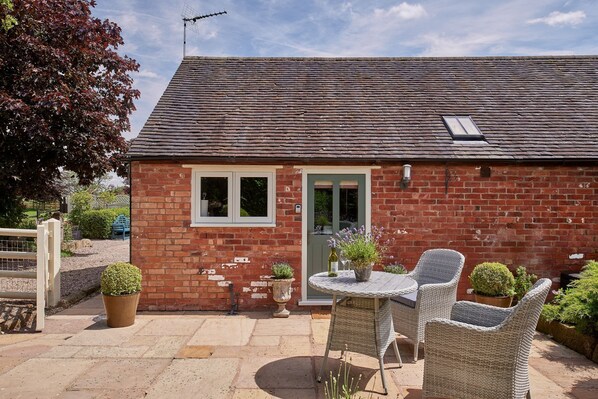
[(361, 320)]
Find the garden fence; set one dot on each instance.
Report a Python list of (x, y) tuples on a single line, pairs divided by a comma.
[(32, 255)]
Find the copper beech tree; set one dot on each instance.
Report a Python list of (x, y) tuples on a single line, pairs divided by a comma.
[(65, 97)]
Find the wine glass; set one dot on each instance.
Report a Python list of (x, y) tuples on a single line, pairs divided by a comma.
[(343, 260)]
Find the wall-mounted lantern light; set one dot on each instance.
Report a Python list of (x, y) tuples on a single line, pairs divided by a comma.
[(406, 176)]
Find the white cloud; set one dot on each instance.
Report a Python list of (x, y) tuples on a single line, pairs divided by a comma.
[(402, 11), (557, 18), (452, 46), (144, 73)]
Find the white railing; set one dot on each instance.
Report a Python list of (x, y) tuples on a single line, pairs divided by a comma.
[(47, 270)]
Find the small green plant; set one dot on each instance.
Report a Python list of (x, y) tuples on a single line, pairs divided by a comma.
[(395, 268), (67, 232), (523, 282), (342, 385), (81, 201), (577, 305), (492, 279), (282, 270), (66, 254), (120, 278)]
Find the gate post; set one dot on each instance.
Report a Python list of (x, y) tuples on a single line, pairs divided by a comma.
[(53, 261), (42, 276)]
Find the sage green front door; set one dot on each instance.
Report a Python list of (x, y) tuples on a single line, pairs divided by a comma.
[(334, 202)]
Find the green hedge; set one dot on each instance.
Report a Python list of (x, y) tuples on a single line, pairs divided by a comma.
[(98, 223)]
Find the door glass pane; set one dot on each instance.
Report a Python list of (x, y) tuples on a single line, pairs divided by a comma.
[(349, 204), (214, 196), (254, 196), (323, 207)]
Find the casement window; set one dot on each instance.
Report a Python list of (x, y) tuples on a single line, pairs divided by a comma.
[(236, 198)]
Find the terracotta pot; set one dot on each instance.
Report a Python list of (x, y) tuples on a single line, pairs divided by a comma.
[(121, 309), (281, 293), (499, 301)]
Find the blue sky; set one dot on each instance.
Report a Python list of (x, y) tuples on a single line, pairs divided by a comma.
[(153, 31)]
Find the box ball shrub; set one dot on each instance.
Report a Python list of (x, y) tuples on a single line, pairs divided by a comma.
[(120, 278), (492, 279)]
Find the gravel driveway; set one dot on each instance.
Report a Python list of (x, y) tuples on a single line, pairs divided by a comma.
[(80, 273), (80, 276)]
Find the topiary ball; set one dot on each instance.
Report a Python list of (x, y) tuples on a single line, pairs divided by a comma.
[(492, 279), (121, 278)]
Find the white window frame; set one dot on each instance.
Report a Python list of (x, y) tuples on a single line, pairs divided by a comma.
[(234, 173), (237, 218), (197, 211)]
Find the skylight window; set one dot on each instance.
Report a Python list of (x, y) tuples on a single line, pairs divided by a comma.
[(462, 128)]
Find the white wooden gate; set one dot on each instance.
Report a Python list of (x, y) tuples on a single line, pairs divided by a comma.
[(47, 269)]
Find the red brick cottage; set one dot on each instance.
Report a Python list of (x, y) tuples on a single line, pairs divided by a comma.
[(247, 161)]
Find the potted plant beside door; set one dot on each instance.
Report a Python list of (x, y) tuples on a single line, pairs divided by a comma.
[(493, 284), (120, 286), (282, 280)]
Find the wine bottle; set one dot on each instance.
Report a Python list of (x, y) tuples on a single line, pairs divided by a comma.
[(332, 263)]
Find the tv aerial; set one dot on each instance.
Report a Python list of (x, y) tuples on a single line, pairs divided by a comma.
[(190, 15)]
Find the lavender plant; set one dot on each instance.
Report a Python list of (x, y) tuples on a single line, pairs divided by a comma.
[(360, 247)]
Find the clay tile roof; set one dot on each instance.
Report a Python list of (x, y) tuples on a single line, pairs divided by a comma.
[(368, 109)]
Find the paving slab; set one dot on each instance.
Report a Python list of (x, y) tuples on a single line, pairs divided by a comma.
[(295, 345), (319, 329), (121, 374), (28, 351), (167, 347), (251, 394), (542, 387), (62, 351), (171, 326), (271, 373), (579, 373), (294, 394), (91, 307), (294, 325), (232, 331), (196, 378), (64, 325), (141, 340), (265, 340), (94, 352), (9, 363), (103, 394), (99, 334), (9, 339), (195, 352), (544, 346), (51, 377)]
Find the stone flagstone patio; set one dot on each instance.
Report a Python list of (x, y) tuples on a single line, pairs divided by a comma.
[(211, 355)]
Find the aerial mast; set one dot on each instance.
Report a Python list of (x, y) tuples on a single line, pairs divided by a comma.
[(194, 20)]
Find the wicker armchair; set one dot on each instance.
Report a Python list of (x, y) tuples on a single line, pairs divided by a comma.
[(437, 274), (482, 351)]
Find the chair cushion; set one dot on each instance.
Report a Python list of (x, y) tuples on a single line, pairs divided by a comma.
[(408, 299)]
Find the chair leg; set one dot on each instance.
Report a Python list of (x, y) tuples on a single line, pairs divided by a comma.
[(415, 350), (381, 361), (397, 353)]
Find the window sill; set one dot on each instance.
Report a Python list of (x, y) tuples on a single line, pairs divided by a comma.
[(232, 225)]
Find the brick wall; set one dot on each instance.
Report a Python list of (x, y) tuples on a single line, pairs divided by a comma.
[(534, 216), (541, 217), (190, 268)]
